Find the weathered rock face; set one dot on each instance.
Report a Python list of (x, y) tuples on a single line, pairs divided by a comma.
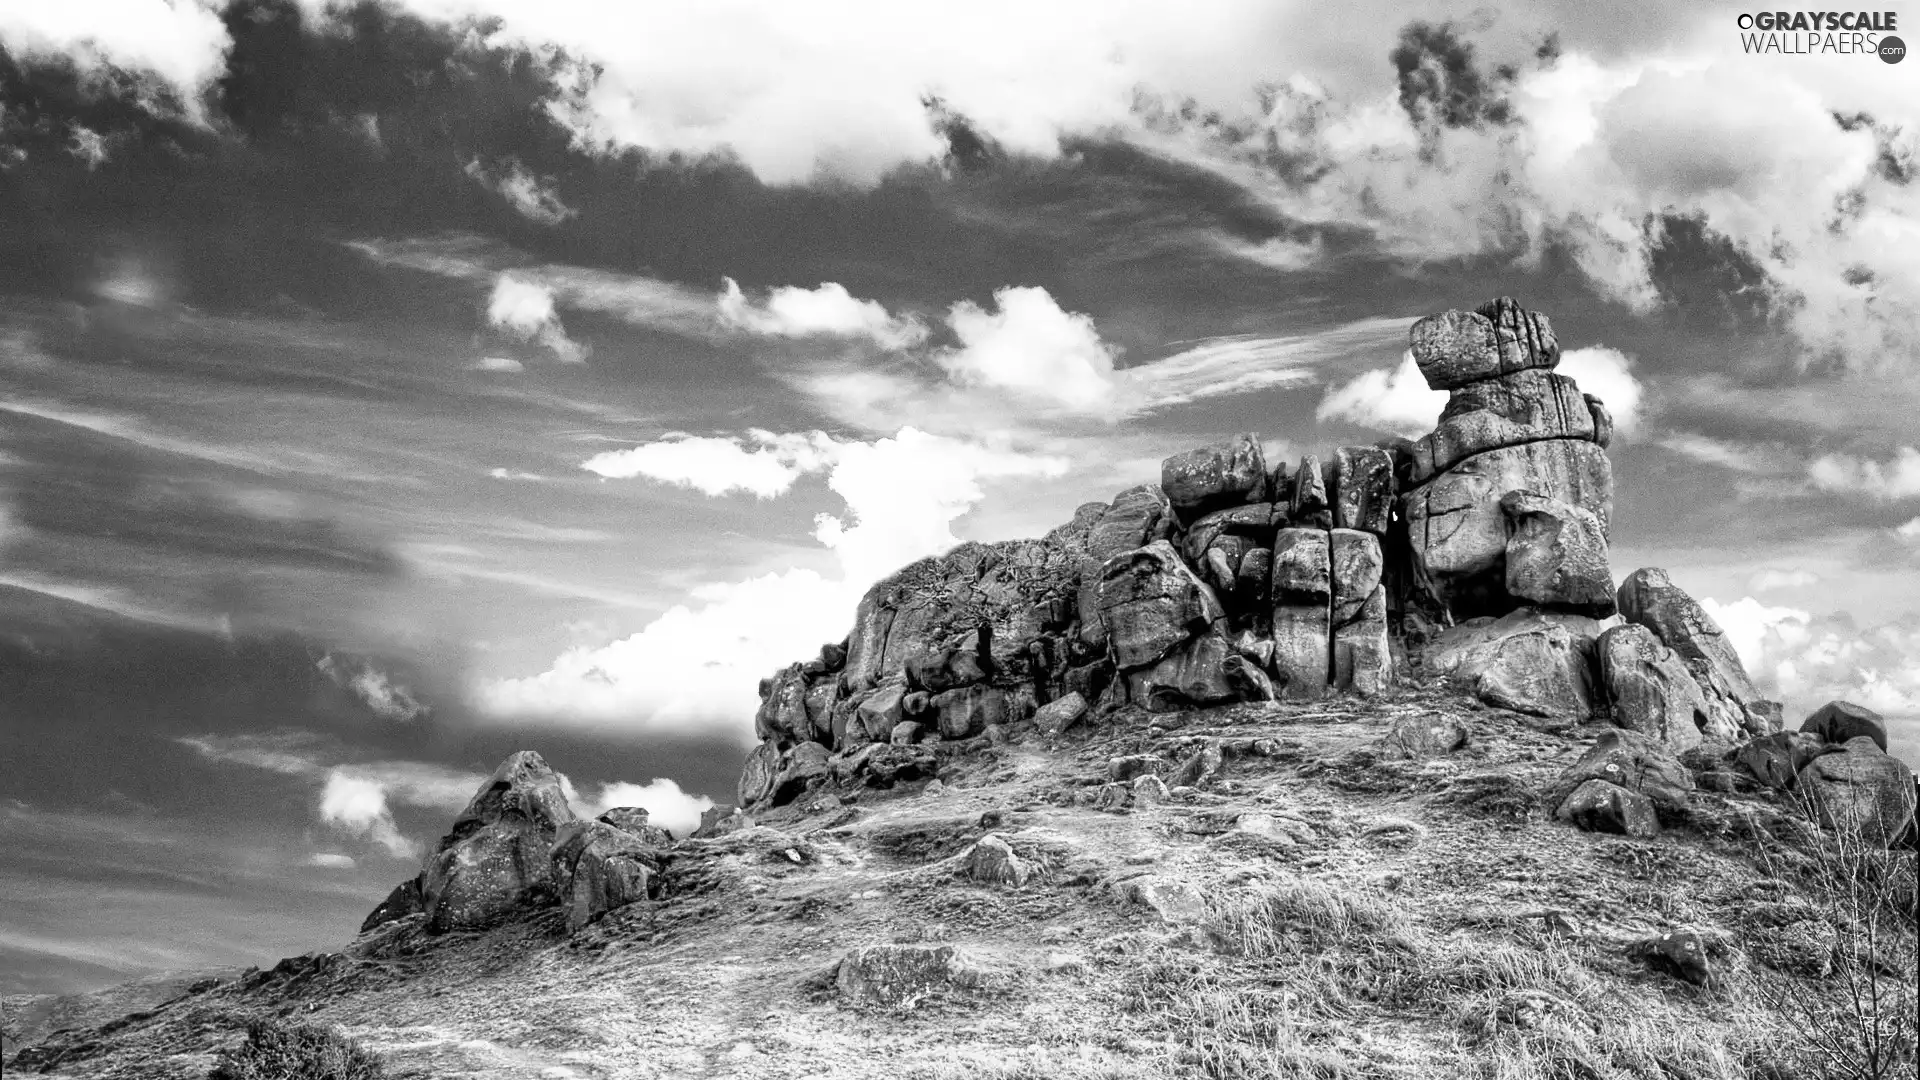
[(1652, 691), (1776, 760), (1529, 661), (1650, 598), (1840, 722), (899, 975), (1629, 760), (1215, 477), (1599, 806), (1557, 555), (496, 861), (598, 867), (1458, 531), (1152, 602), (1862, 790), (1302, 593)]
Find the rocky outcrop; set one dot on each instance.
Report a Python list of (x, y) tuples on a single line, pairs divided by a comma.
[(599, 867), (1627, 760), (495, 862), (1652, 692), (1648, 597), (900, 976)]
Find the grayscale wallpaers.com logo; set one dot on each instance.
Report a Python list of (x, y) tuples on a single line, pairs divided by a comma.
[(1823, 33)]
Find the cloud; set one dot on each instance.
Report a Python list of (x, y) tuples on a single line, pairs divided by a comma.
[(524, 308), (1807, 660), (1608, 375), (1740, 457), (828, 310), (1031, 347), (666, 805), (718, 465), (506, 364), (1896, 479), (184, 44), (331, 860), (358, 806), (355, 798), (502, 473), (375, 689), (1910, 532), (696, 667), (525, 192), (1396, 400), (1770, 580)]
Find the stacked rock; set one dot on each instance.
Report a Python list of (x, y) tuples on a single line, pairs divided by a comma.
[(1507, 501)]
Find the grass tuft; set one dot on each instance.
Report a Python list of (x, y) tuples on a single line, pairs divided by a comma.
[(279, 1051)]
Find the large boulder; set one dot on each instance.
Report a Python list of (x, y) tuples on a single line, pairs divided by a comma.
[(970, 710), (1455, 348), (1600, 806), (598, 868), (495, 862), (1533, 662), (1458, 532), (1214, 477), (1650, 598), (783, 707), (1362, 652), (1355, 567), (1302, 594), (1840, 722), (1557, 555), (900, 976), (1652, 691), (1150, 603), (1862, 790)]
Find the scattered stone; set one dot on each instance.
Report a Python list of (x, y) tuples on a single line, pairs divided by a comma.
[(1421, 738), (1132, 765), (721, 820), (1200, 768), (905, 733), (969, 710), (890, 765), (1598, 806), (992, 860), (1684, 954), (1112, 797), (1176, 902), (494, 862), (1061, 713), (1839, 722), (1149, 790), (901, 976), (1557, 555)]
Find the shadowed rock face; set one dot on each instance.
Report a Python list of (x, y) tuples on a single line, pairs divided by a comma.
[(495, 861), (1648, 597)]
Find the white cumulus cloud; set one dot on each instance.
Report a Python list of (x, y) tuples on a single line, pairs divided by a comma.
[(828, 310), (697, 667), (358, 806), (666, 805), (533, 197), (524, 308), (1388, 399), (763, 463), (1028, 345), (1807, 660)]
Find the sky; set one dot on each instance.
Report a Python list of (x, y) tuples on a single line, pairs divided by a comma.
[(385, 388)]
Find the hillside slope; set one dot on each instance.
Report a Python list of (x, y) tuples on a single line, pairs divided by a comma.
[(1321, 905)]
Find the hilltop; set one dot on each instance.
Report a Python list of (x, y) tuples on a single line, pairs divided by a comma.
[(1363, 767)]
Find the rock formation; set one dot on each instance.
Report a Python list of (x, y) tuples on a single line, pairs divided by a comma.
[(518, 846), (1477, 552)]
